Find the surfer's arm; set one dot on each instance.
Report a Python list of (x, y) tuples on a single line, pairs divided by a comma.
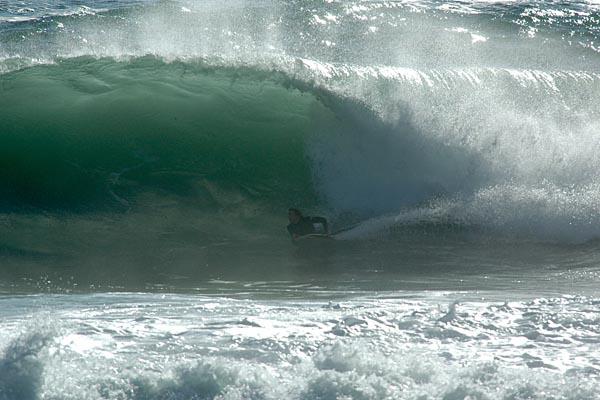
[(294, 237), (322, 221), (293, 234)]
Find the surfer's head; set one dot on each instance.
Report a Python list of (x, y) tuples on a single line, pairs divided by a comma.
[(294, 215)]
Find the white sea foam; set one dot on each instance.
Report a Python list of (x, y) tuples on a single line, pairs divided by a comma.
[(364, 348)]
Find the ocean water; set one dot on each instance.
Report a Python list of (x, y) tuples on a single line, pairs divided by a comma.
[(149, 151)]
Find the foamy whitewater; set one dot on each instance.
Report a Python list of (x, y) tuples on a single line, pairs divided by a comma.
[(149, 151)]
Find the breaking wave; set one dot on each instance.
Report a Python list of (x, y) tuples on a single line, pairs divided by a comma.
[(112, 111)]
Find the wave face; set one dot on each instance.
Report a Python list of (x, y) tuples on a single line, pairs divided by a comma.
[(471, 114), (101, 132)]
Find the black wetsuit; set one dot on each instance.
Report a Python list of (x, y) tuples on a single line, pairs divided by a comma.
[(306, 226)]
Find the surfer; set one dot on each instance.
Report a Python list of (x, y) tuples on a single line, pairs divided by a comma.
[(301, 225)]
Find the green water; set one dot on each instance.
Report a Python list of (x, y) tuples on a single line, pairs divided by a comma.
[(93, 134)]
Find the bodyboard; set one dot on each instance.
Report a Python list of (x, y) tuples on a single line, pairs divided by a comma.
[(314, 237)]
